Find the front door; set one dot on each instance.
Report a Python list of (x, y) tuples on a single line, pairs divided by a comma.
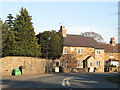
[(57, 66), (91, 66)]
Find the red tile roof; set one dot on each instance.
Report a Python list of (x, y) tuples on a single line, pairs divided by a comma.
[(113, 60), (110, 48)]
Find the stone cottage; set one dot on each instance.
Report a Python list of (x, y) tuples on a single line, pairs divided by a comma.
[(112, 53), (80, 54)]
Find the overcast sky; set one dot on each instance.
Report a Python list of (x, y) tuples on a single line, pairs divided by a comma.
[(100, 17)]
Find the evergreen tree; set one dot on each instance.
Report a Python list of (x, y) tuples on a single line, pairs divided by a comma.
[(1, 22), (51, 43), (10, 21), (26, 39), (10, 44), (8, 37)]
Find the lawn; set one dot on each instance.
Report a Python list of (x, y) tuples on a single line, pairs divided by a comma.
[(114, 79)]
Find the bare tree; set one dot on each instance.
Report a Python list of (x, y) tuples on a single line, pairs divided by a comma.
[(94, 35)]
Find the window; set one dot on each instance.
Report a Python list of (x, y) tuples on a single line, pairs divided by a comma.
[(98, 63), (80, 51), (72, 49), (98, 52), (114, 49), (64, 64), (79, 63), (111, 54), (64, 50), (91, 63)]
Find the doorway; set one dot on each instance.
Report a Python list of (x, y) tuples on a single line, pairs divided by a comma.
[(91, 67)]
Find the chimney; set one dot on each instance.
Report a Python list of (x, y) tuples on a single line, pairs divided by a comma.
[(112, 42), (63, 30)]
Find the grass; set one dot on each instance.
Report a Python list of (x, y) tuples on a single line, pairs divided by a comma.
[(114, 79)]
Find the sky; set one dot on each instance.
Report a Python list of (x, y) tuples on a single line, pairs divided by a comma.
[(78, 17)]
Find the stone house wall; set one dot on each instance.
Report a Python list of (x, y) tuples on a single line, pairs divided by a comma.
[(87, 51), (101, 59), (31, 65), (115, 56)]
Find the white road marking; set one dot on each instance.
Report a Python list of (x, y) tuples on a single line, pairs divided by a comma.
[(65, 82)]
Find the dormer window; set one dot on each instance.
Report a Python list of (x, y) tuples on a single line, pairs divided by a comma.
[(98, 52), (114, 49), (80, 51), (111, 55)]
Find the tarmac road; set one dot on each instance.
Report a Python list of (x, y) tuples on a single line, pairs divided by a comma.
[(62, 80)]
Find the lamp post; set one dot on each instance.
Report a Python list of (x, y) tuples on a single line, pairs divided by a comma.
[(47, 57)]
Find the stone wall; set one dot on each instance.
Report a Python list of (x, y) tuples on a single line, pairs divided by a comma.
[(31, 65), (115, 56), (101, 59), (72, 57)]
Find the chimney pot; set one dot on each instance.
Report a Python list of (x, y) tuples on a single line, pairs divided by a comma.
[(112, 42)]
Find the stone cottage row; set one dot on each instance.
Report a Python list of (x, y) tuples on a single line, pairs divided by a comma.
[(81, 52)]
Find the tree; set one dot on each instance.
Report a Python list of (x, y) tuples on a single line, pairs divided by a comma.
[(8, 37), (6, 27), (94, 35), (1, 22), (10, 21), (4, 30), (51, 43), (25, 35), (10, 44)]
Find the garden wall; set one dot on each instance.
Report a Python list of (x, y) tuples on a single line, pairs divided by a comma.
[(30, 65)]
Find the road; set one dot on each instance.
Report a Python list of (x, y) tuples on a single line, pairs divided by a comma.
[(61, 80)]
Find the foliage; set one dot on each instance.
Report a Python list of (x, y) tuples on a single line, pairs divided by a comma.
[(7, 35), (1, 22), (112, 65), (10, 44), (19, 36), (94, 35), (51, 43), (70, 58), (10, 22)]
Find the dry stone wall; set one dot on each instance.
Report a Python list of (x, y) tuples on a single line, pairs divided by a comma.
[(31, 65)]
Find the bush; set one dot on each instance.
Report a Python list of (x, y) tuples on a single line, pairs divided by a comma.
[(112, 65)]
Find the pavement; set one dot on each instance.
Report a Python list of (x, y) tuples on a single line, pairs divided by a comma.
[(60, 80)]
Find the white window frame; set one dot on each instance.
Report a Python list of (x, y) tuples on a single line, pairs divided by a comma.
[(91, 64), (64, 64), (64, 50), (72, 49), (98, 52), (79, 64), (111, 54), (98, 63), (81, 51)]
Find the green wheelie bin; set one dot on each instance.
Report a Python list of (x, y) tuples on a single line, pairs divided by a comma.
[(16, 72)]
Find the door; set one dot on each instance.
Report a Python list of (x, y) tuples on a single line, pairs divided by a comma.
[(57, 63), (57, 66), (91, 66)]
